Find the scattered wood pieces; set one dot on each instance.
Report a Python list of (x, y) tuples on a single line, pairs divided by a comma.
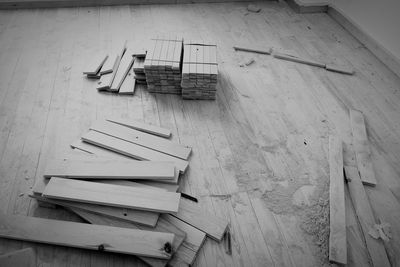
[(137, 125), (299, 60), (86, 236), (253, 50), (253, 8), (337, 235), (20, 258), (112, 195), (361, 148)]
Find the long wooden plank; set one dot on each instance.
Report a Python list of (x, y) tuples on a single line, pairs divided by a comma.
[(142, 139), (107, 79), (191, 213), (112, 195), (365, 216), (128, 85), (125, 66), (86, 236), (131, 150), (140, 126), (110, 169), (20, 258), (337, 234), (299, 60), (361, 148)]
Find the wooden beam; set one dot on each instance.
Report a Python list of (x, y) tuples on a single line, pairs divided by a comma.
[(253, 50), (110, 169), (140, 126), (86, 236), (361, 148), (112, 195), (143, 139), (299, 60), (366, 217), (20, 258), (131, 150), (337, 234)]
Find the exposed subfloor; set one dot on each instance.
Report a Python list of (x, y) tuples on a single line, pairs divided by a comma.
[(259, 151)]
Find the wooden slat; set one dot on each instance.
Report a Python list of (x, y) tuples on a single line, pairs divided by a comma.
[(110, 169), (339, 69), (20, 258), (143, 139), (337, 235), (108, 65), (112, 195), (361, 148), (365, 216), (107, 79), (191, 213), (254, 50), (131, 150), (86, 236), (128, 86), (125, 66), (140, 126), (95, 65), (299, 60)]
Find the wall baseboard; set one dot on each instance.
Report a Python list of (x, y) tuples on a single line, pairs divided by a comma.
[(390, 60), (305, 7)]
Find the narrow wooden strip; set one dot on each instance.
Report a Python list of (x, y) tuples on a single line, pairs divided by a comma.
[(108, 65), (339, 69), (20, 258), (107, 79), (337, 235), (86, 236), (112, 195), (128, 86), (299, 60), (142, 139), (253, 50), (94, 67), (140, 126), (190, 213), (125, 66), (110, 169), (131, 150), (365, 216), (361, 148)]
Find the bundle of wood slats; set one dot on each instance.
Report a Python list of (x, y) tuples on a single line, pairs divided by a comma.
[(199, 71), (163, 65), (127, 178)]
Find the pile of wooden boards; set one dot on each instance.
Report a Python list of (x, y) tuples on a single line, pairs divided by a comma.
[(199, 71), (163, 65), (361, 173), (132, 205)]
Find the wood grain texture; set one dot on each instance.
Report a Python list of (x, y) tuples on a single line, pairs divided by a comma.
[(20, 258), (361, 148), (337, 233), (143, 139), (366, 217), (131, 150), (140, 126), (112, 195), (110, 169), (86, 236)]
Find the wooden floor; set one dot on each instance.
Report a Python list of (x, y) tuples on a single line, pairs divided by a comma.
[(259, 151)]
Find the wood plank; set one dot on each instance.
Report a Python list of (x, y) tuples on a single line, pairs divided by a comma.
[(339, 69), (143, 139), (108, 65), (361, 148), (337, 234), (128, 86), (86, 236), (124, 67), (95, 65), (144, 127), (107, 79), (20, 258), (110, 169), (253, 50), (112, 195), (365, 216), (191, 213), (131, 150), (299, 60)]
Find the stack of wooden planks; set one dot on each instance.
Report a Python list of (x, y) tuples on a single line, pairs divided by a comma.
[(163, 65), (199, 71), (125, 185)]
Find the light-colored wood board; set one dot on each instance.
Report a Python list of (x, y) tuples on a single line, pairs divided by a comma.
[(112, 195), (131, 150), (298, 60), (108, 65), (128, 85), (106, 80), (95, 66), (365, 216), (110, 169), (337, 217), (124, 67), (86, 236), (143, 139), (361, 148), (266, 51), (140, 126), (20, 258)]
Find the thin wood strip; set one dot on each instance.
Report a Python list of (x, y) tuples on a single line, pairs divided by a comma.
[(361, 148), (140, 126), (366, 217), (143, 139), (337, 234), (125, 66), (128, 86), (112, 195), (299, 60), (95, 66), (253, 50)]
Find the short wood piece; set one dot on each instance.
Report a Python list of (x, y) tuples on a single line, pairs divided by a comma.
[(339, 69), (20, 258), (361, 148), (253, 50), (95, 65), (110, 169), (140, 126), (190, 213), (112, 195), (86, 236), (366, 217), (142, 139), (106, 80), (131, 150), (299, 60), (108, 65), (337, 234)]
